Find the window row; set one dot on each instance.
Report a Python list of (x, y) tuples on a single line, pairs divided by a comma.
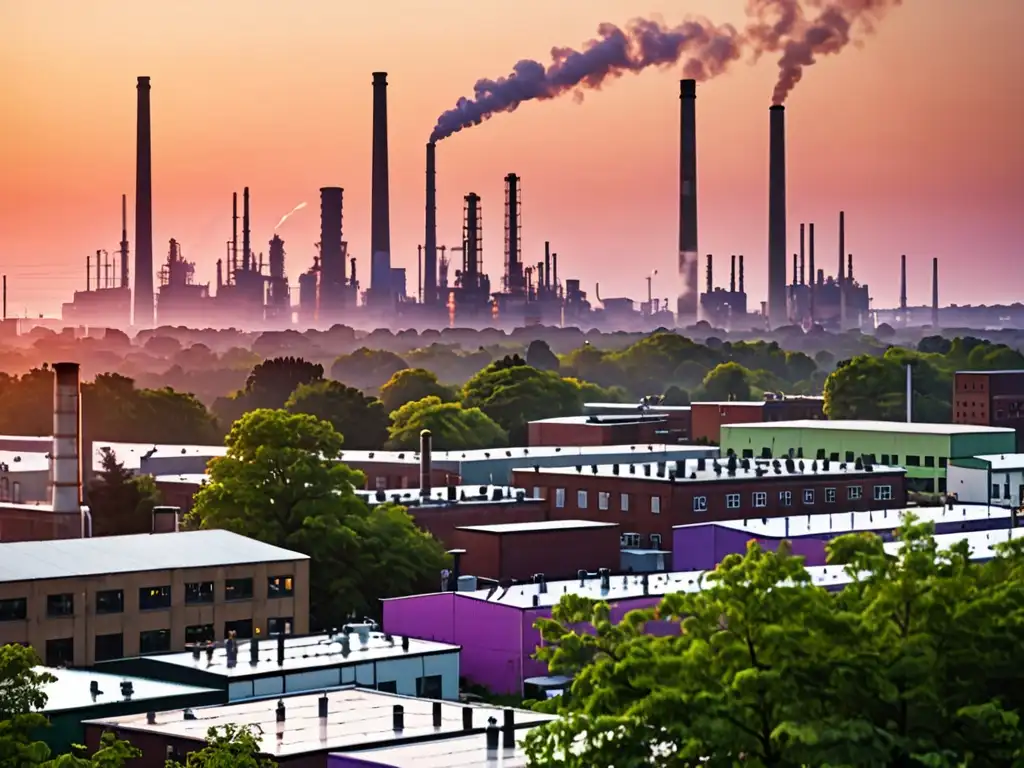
[(885, 459), (150, 598), (603, 500)]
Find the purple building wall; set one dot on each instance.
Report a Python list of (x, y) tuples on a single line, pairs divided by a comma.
[(342, 761)]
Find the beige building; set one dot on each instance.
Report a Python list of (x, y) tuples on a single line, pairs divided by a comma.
[(80, 601)]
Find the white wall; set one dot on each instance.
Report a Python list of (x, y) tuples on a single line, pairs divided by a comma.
[(972, 485)]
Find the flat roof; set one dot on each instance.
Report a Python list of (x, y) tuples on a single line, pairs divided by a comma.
[(460, 752), (604, 420), (186, 479), (851, 522), (357, 718), (132, 454), (639, 449), (1004, 372), (69, 558), (982, 543), (302, 653), (537, 527), (1003, 461), (687, 471), (25, 461), (853, 425), (71, 689), (438, 496), (637, 408)]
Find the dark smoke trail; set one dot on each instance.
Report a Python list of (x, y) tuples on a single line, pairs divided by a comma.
[(616, 51)]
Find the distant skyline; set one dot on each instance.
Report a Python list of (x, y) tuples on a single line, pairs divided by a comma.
[(915, 134)]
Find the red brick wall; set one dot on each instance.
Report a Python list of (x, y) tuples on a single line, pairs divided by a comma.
[(707, 418), (559, 553), (442, 521), (581, 434), (971, 399), (32, 525)]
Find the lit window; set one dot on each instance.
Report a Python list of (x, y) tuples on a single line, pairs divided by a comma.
[(280, 586)]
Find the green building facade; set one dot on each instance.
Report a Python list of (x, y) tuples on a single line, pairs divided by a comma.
[(924, 449)]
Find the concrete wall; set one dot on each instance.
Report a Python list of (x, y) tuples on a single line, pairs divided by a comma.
[(975, 485)]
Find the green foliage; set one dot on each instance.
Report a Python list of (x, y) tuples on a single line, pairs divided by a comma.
[(21, 697), (912, 664), (411, 384), (269, 385), (361, 420), (120, 502), (727, 381), (367, 369), (229, 746), (281, 482), (540, 356), (113, 753), (453, 427), (675, 396)]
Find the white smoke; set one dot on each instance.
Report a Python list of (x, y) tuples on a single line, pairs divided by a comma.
[(285, 218)]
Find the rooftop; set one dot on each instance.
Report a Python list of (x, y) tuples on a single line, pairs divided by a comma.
[(302, 653), (982, 543), (850, 522), (439, 496), (356, 719), (1015, 372), (851, 425), (71, 689), (24, 461), (187, 479), (704, 470), (635, 407), (1003, 461), (131, 454), (69, 558), (605, 420), (460, 752), (537, 527)]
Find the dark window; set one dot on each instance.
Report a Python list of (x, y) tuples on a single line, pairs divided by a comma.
[(391, 687), (238, 589), (913, 461), (429, 687), (109, 647), (748, 453), (885, 459), (943, 461), (895, 459), (849, 455), (153, 598), (929, 461), (155, 641), (995, 490), (242, 628), (110, 601), (60, 653), (942, 485), (834, 456), (14, 609), (199, 592), (199, 633), (281, 625), (60, 605), (280, 586)]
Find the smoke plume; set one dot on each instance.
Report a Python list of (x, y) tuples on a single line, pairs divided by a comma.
[(285, 218), (708, 50)]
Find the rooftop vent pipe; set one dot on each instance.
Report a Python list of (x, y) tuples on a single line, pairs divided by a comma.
[(509, 730), (279, 713), (425, 457), (280, 650), (321, 706), (398, 717), (492, 734), (436, 712), (467, 718), (67, 441)]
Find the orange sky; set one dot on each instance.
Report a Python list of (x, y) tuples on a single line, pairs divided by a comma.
[(916, 134)]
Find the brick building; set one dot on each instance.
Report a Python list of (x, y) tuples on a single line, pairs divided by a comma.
[(650, 499), (991, 399), (707, 418), (37, 522), (603, 430), (677, 417)]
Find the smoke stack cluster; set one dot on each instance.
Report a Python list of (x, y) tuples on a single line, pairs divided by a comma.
[(687, 307), (380, 212), (777, 313), (67, 442), (144, 308), (430, 237)]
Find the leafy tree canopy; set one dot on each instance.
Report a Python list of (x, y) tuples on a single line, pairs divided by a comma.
[(269, 385), (411, 384), (120, 502), (540, 356), (453, 427), (367, 369), (727, 381), (361, 420), (229, 746)]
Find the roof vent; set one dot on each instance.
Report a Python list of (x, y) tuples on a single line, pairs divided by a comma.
[(279, 712), (151, 718), (127, 689), (188, 714), (321, 706), (94, 689)]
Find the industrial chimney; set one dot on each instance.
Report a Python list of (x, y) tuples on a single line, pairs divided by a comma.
[(430, 237), (124, 241), (814, 274), (935, 293), (67, 431), (710, 274), (246, 251), (425, 459), (332, 259), (732, 275), (687, 305), (777, 315), (903, 283), (380, 212), (143, 212)]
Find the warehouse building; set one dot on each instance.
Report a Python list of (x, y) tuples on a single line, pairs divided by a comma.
[(991, 479), (24, 477), (707, 418), (924, 449), (990, 398), (604, 429), (80, 601)]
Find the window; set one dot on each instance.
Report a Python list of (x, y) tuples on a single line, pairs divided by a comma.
[(883, 493), (388, 687), (834, 456), (559, 497), (60, 605), (280, 586), (536, 492), (885, 459), (624, 502), (929, 461), (732, 501), (429, 687), (655, 541), (60, 653), (242, 628), (16, 492), (748, 453), (199, 633), (110, 601), (154, 598), (655, 505), (581, 499), (942, 485), (895, 459), (109, 647), (154, 641), (238, 589), (786, 498), (853, 492), (381, 483), (808, 495), (700, 503), (913, 461), (995, 490), (281, 625), (602, 500), (199, 592), (760, 499), (830, 495), (14, 609), (943, 461)]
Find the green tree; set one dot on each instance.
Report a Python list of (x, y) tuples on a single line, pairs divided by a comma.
[(282, 482), (366, 368), (120, 502), (361, 420), (21, 698), (269, 385), (411, 384), (228, 746), (727, 381), (675, 396), (868, 387), (454, 428), (540, 356), (112, 753)]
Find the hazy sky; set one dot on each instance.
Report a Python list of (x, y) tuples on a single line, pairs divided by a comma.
[(916, 134)]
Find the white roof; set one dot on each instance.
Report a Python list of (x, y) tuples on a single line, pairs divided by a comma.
[(24, 461), (1003, 461), (981, 543), (852, 425), (187, 479), (131, 454), (537, 527), (71, 689), (461, 752)]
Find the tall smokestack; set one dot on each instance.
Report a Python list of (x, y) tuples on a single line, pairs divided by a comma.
[(430, 237), (124, 241), (903, 283), (732, 275), (547, 266), (514, 282), (245, 231), (777, 217), (814, 274), (742, 288), (710, 274), (332, 260), (234, 235), (425, 459), (802, 273), (935, 293), (67, 431), (144, 308), (687, 305), (796, 273), (841, 275), (380, 212)]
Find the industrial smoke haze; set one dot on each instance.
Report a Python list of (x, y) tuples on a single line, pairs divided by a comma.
[(707, 49), (285, 218)]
